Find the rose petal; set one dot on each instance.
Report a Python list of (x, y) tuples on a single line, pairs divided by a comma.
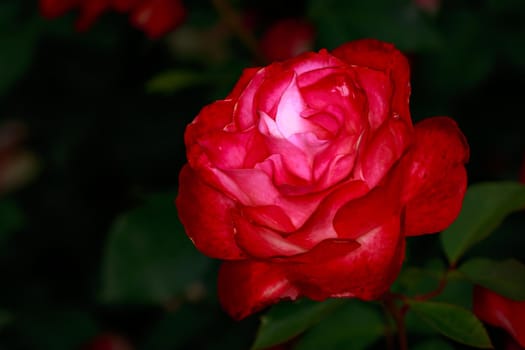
[(379, 154), (244, 80), (436, 177), (362, 215), (346, 268), (500, 312), (247, 286), (383, 57), (206, 216), (320, 226), (261, 242)]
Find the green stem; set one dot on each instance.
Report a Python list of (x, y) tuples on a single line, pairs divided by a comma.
[(398, 315)]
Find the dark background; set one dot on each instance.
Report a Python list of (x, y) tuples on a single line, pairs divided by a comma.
[(107, 138)]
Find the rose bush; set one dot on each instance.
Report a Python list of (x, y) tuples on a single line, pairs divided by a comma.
[(499, 311), (309, 175)]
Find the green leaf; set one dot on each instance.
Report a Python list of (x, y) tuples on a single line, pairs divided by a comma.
[(433, 344), (505, 277), (148, 257), (11, 218), (355, 325), (175, 80), (484, 208), (454, 322), (287, 320)]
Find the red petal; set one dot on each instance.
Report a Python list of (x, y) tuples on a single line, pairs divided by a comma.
[(500, 312), (247, 286), (320, 226), (436, 176), (242, 83), (345, 268), (384, 57), (382, 151), (206, 216), (262, 242), (360, 216)]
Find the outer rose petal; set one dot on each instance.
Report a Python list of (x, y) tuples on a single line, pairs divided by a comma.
[(436, 178), (500, 312), (248, 286), (205, 214), (364, 271)]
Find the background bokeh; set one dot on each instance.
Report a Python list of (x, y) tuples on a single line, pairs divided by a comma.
[(90, 244)]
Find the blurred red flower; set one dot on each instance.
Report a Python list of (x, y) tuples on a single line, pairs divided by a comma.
[(501, 312), (287, 38), (154, 17)]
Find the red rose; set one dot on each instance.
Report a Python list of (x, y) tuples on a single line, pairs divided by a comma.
[(502, 312), (287, 38), (309, 175)]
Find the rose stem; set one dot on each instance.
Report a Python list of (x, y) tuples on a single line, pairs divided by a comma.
[(398, 314), (232, 19)]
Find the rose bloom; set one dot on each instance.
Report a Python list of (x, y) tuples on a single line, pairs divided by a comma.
[(309, 175), (154, 17), (501, 312)]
